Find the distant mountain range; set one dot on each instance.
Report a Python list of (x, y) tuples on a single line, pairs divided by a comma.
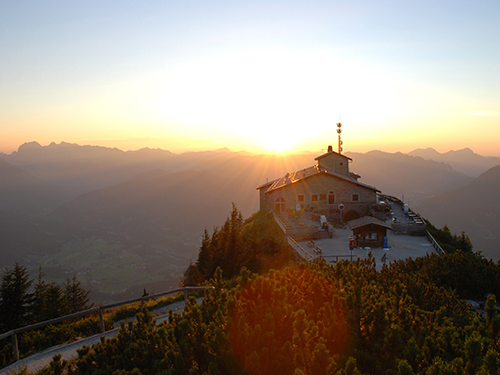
[(474, 208), (124, 221), (465, 161), (410, 178)]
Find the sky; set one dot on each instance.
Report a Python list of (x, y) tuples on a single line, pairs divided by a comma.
[(261, 76)]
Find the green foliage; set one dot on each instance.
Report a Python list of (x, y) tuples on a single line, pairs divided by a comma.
[(76, 298), (256, 244), (408, 319), (192, 344), (20, 307), (311, 319), (288, 320), (15, 299), (448, 242)]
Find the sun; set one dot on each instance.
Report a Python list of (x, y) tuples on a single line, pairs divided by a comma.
[(279, 144)]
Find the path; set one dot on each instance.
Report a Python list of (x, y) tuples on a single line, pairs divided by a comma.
[(68, 351)]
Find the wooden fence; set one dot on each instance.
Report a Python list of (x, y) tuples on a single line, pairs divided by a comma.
[(13, 333)]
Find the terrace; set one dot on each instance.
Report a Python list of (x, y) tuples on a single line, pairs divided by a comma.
[(408, 237)]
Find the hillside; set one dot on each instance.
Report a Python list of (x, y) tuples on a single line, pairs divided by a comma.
[(24, 193), (26, 239), (474, 208), (136, 217)]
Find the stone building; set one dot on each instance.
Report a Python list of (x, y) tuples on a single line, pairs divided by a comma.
[(327, 188)]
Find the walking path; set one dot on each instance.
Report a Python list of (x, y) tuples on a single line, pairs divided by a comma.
[(68, 351)]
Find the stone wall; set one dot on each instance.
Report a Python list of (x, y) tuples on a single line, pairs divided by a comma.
[(315, 194)]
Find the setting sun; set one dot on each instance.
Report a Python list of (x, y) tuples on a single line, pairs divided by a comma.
[(256, 78)]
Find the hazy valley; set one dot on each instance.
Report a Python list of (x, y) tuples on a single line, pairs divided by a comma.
[(125, 221)]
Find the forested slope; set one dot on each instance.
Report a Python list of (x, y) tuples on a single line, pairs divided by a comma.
[(343, 318)]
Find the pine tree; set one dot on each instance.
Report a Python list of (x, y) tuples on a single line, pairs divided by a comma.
[(76, 298), (55, 302), (39, 305), (15, 298)]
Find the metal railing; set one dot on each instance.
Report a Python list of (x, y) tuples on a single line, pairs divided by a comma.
[(13, 333), (434, 243), (293, 244), (299, 250), (278, 220), (337, 257)]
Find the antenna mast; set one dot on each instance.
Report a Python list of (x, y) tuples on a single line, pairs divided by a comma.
[(339, 131)]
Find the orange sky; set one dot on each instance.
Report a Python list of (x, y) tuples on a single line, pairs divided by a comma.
[(266, 77)]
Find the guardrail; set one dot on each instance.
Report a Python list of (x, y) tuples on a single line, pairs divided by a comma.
[(299, 250), (293, 244), (337, 257), (13, 333), (434, 243), (279, 222)]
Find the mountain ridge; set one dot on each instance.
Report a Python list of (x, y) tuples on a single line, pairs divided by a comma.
[(474, 208), (464, 160), (145, 210)]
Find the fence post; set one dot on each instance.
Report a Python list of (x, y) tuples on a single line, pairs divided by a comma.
[(101, 319), (15, 348)]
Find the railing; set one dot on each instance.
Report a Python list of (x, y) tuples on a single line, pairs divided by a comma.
[(299, 250), (293, 244), (13, 333), (434, 243), (337, 257), (279, 222)]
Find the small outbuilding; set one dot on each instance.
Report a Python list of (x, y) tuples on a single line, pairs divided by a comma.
[(369, 231)]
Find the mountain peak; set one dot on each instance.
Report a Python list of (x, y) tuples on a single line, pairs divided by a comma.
[(426, 153), (29, 146), (466, 152), (224, 149)]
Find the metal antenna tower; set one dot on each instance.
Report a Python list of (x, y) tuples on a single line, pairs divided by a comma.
[(339, 132)]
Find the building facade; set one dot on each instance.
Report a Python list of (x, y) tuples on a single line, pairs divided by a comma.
[(327, 188)]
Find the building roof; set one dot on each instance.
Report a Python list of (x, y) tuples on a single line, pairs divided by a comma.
[(331, 153), (291, 178), (367, 220)]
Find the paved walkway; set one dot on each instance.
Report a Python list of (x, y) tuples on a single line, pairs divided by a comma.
[(401, 247), (68, 351)]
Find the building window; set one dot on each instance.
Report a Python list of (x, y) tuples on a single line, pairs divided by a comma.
[(280, 205), (355, 197), (322, 197), (300, 197), (314, 198), (331, 197)]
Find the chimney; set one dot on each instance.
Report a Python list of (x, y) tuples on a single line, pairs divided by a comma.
[(330, 148)]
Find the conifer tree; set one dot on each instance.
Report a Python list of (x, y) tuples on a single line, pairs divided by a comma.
[(39, 305), (55, 303), (76, 298), (15, 298)]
